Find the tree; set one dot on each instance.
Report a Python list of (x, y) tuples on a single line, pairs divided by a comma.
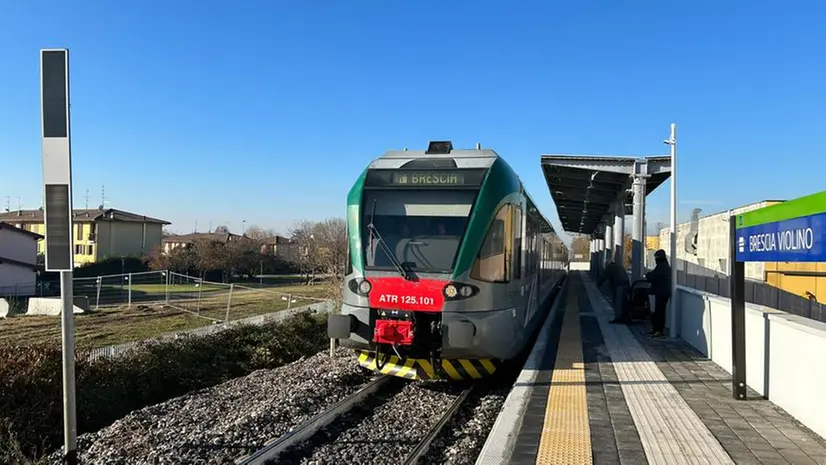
[(331, 238), (302, 236), (243, 257), (258, 233), (581, 246), (322, 247), (222, 229), (626, 251)]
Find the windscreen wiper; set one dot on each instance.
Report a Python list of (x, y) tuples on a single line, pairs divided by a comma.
[(380, 241)]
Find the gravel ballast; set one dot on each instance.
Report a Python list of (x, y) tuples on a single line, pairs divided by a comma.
[(382, 431), (464, 436), (218, 424)]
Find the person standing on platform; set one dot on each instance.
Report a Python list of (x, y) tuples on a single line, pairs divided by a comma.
[(615, 273), (660, 279)]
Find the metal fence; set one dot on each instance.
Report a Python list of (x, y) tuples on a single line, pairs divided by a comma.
[(19, 290), (209, 300), (757, 292), (272, 317)]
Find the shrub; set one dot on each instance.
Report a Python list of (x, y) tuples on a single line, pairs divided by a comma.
[(31, 390)]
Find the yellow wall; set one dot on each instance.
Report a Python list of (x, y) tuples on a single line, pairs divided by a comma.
[(652, 242), (798, 284), (114, 238)]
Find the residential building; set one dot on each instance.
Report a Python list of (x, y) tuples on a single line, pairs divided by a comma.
[(98, 233), (181, 240), (18, 261), (280, 247)]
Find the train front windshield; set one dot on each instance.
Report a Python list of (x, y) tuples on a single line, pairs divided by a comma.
[(422, 229)]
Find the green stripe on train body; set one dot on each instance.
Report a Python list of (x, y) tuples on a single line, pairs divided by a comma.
[(804, 206), (500, 183)]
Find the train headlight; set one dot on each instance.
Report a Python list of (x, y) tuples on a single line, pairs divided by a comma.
[(450, 291), (360, 286), (365, 287), (458, 291)]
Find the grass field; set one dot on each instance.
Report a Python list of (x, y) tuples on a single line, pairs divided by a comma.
[(142, 321)]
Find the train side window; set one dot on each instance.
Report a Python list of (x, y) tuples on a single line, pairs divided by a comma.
[(492, 265), (517, 242)]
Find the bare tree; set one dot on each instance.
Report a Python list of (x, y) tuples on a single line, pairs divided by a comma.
[(331, 241), (258, 233), (223, 229), (581, 245), (301, 234)]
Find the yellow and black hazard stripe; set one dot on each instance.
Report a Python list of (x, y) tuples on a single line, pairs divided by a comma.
[(418, 368)]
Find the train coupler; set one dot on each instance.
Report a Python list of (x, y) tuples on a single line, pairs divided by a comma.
[(393, 332)]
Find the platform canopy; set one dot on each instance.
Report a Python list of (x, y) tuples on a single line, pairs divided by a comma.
[(585, 187)]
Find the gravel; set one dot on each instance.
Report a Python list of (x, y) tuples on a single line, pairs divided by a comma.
[(464, 436), (383, 431), (218, 424)]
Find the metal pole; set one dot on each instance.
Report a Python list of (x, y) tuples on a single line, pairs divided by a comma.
[(619, 233), (637, 233), (129, 279), (229, 301), (609, 237), (673, 304), (737, 284), (68, 335)]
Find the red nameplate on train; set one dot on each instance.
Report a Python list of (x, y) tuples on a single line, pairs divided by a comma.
[(424, 295)]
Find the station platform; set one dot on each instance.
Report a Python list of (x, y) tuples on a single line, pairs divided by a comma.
[(610, 394)]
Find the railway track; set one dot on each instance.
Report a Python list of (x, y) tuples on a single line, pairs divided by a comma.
[(293, 447)]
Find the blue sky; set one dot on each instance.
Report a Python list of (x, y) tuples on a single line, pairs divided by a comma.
[(266, 112)]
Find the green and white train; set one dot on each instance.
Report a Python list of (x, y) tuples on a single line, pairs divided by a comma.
[(449, 266)]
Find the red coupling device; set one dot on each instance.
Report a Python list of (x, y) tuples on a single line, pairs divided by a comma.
[(393, 332)]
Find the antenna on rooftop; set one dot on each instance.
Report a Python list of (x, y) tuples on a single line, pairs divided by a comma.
[(102, 197), (196, 226), (8, 203)]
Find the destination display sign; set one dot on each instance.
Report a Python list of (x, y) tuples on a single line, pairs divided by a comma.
[(425, 178), (793, 231)]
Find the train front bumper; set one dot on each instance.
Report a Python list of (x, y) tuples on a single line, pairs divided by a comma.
[(488, 334)]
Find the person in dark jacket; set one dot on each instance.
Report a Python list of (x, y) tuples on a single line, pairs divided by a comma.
[(615, 274), (660, 279)]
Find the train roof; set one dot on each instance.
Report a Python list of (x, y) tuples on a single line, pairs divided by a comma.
[(462, 158)]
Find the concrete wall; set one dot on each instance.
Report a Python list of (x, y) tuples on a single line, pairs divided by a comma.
[(581, 266), (52, 306), (784, 352), (18, 246), (712, 242), (17, 280)]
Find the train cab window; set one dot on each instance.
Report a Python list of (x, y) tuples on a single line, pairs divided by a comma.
[(492, 263)]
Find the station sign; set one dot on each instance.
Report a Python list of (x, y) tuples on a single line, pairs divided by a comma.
[(793, 231)]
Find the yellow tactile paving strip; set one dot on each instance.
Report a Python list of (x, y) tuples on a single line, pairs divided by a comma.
[(566, 434)]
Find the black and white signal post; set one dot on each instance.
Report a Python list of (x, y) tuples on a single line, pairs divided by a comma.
[(57, 185)]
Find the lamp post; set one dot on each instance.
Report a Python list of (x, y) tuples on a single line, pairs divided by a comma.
[(672, 314)]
